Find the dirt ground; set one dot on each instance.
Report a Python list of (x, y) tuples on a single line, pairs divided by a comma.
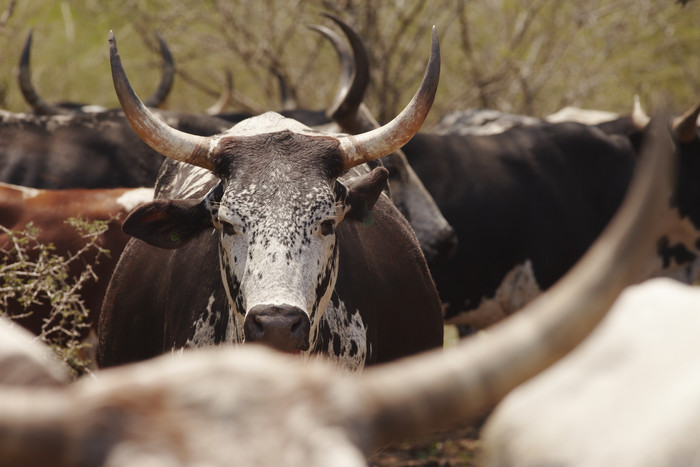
[(458, 447)]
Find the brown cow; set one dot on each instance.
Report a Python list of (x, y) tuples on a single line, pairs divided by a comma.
[(48, 211)]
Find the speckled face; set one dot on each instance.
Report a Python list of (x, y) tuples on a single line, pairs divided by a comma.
[(277, 216)]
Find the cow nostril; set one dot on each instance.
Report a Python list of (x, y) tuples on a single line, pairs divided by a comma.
[(283, 327)]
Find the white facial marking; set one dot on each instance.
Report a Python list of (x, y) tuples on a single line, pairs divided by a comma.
[(273, 249), (278, 258), (269, 122)]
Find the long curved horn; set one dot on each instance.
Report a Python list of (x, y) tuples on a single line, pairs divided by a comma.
[(354, 63), (225, 97), (166, 82), (39, 105), (390, 137), (459, 384), (685, 126), (168, 141), (287, 96)]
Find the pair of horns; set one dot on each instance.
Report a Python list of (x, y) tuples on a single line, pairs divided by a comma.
[(358, 149), (40, 106)]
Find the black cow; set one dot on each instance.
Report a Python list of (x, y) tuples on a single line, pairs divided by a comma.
[(85, 150), (70, 145), (251, 246), (528, 202)]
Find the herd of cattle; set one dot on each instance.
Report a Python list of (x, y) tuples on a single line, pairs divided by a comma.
[(326, 233)]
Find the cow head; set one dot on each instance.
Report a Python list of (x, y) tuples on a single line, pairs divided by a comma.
[(276, 207)]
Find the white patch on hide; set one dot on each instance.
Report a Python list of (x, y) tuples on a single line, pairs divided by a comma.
[(135, 197), (204, 331), (347, 329), (585, 116), (679, 231), (188, 182), (27, 192), (269, 122), (517, 288)]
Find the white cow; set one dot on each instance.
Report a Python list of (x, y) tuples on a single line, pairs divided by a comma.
[(627, 396)]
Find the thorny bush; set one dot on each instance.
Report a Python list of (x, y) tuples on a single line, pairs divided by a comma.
[(33, 275)]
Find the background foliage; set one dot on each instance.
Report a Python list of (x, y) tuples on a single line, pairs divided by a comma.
[(531, 57)]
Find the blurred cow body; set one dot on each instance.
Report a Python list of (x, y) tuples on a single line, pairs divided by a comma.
[(25, 362), (627, 396)]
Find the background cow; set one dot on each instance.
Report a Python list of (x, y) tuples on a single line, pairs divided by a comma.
[(88, 150), (48, 212), (528, 202)]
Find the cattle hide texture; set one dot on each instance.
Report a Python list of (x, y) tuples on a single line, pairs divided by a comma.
[(190, 409), (628, 396), (23, 362)]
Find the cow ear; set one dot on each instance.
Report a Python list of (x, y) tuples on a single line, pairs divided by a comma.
[(363, 192), (168, 224)]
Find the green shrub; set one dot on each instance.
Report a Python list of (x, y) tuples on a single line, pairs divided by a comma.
[(33, 274)]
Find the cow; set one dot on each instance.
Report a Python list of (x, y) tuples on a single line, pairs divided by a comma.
[(227, 406), (528, 202), (86, 150), (628, 395), (250, 245), (42, 107), (69, 145), (48, 211)]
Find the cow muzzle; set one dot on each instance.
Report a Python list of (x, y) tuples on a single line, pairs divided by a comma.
[(443, 248), (282, 327)]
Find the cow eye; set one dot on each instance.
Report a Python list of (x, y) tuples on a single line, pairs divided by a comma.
[(227, 228), (327, 227)]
